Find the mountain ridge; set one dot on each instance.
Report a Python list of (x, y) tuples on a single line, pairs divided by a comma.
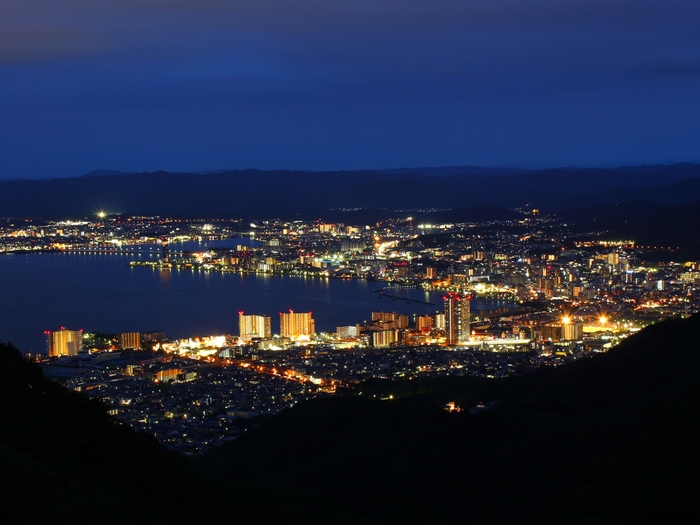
[(232, 193)]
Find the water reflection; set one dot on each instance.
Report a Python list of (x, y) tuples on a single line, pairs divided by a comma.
[(101, 292)]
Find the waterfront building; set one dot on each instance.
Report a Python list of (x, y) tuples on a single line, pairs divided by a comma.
[(254, 326), (295, 324), (64, 342), (388, 321), (456, 318)]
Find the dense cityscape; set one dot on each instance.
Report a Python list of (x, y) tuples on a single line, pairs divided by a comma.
[(557, 296), (359, 263)]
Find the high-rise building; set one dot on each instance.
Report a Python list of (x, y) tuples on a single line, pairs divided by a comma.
[(253, 326), (385, 338), (425, 323), (389, 321), (571, 330), (130, 340), (295, 324), (456, 318), (64, 342), (440, 321)]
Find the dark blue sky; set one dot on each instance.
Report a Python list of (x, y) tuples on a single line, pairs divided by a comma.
[(187, 85)]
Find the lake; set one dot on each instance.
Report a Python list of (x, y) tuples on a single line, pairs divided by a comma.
[(100, 292)]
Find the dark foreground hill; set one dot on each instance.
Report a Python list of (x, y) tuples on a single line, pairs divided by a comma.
[(612, 439), (65, 461)]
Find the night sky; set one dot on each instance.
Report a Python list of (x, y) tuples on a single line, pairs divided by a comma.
[(190, 85)]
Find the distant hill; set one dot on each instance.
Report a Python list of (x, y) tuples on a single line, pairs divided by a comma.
[(246, 192), (456, 170), (371, 215), (105, 173), (647, 223)]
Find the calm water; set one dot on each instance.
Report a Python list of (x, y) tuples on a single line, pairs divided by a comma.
[(101, 293)]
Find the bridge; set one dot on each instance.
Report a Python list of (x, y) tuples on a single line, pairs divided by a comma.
[(396, 297), (150, 250)]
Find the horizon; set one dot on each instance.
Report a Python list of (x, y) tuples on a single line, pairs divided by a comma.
[(533, 168)]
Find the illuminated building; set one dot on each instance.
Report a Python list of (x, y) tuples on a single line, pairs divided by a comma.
[(64, 342), (174, 375), (385, 338), (253, 326), (153, 336), (566, 330), (456, 318), (345, 332), (425, 323), (352, 246), (391, 320), (295, 324), (549, 332), (440, 321), (571, 330), (164, 251), (130, 340)]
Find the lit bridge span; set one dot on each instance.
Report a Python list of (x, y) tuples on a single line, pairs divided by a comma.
[(150, 250)]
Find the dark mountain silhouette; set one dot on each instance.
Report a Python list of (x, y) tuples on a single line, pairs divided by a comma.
[(647, 223), (611, 439), (371, 216), (64, 460), (237, 193), (456, 170), (104, 173)]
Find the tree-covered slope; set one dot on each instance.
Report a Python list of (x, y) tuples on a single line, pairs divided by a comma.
[(64, 460), (613, 439)]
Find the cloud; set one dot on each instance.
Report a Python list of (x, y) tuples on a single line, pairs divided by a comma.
[(47, 43), (400, 35), (462, 68), (326, 51)]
